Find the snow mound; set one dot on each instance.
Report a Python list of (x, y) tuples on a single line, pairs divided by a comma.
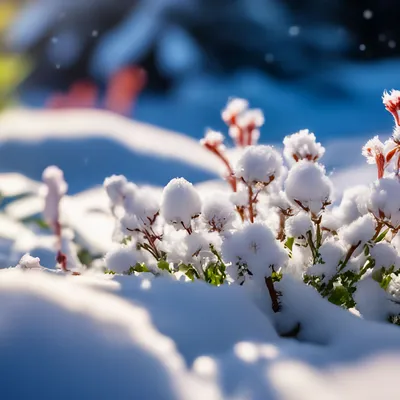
[(156, 338)]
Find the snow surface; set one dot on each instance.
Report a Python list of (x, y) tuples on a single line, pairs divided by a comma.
[(157, 338), (135, 337)]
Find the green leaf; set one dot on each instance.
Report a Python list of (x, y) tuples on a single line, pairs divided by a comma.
[(341, 296), (381, 236), (139, 267), (85, 257), (163, 264), (41, 223), (109, 271), (289, 243), (385, 281)]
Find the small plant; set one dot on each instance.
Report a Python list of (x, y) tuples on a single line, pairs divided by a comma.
[(275, 218)]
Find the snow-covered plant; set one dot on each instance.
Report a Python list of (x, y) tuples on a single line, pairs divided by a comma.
[(275, 220), (56, 188)]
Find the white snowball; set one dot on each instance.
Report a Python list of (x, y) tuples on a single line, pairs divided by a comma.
[(180, 203), (253, 118), (115, 186), (145, 205), (234, 107), (302, 145), (56, 187), (212, 138), (308, 184), (121, 259), (27, 261), (354, 204), (360, 231), (254, 245), (385, 200), (384, 254), (128, 193), (259, 164), (218, 212), (372, 149), (299, 225)]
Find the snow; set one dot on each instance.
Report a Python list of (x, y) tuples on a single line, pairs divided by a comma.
[(115, 187), (308, 185), (372, 149), (234, 108), (358, 232), (212, 138), (385, 199), (218, 212), (37, 125), (259, 164), (159, 340), (27, 261), (253, 247), (298, 225), (384, 254), (180, 203), (56, 187), (188, 339), (121, 259), (302, 145)]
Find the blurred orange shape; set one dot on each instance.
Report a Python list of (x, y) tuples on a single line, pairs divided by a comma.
[(124, 88), (83, 94)]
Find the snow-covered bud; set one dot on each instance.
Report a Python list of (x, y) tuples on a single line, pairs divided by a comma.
[(233, 109), (302, 145), (255, 247), (391, 101), (384, 254), (396, 134), (384, 201), (308, 186), (358, 232), (115, 186), (29, 262), (298, 225), (332, 252), (180, 203), (218, 213), (373, 151), (259, 164), (251, 119), (212, 139), (120, 260), (128, 195), (144, 204), (56, 187)]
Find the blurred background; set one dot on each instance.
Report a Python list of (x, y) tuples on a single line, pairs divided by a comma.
[(317, 64)]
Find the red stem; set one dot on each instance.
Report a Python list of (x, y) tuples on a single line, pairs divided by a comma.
[(61, 258), (231, 177), (251, 211)]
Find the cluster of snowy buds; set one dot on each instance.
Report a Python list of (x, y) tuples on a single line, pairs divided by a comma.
[(56, 188), (243, 123), (278, 219)]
